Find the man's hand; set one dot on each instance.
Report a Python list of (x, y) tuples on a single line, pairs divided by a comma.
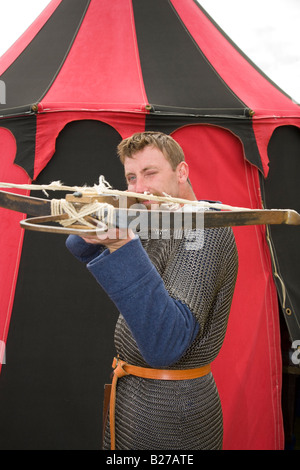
[(113, 238)]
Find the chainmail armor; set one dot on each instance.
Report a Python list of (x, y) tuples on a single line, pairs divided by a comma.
[(184, 414)]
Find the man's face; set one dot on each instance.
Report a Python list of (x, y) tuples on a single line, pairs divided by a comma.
[(149, 171)]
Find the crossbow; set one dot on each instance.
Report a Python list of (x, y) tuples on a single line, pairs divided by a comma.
[(89, 211)]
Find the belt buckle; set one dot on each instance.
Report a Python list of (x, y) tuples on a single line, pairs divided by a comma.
[(118, 367)]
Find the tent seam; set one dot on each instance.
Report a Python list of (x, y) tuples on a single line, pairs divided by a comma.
[(137, 55)]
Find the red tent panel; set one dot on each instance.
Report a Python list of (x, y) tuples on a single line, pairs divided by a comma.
[(105, 44), (248, 368), (11, 235)]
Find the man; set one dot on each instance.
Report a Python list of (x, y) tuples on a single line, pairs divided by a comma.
[(174, 304)]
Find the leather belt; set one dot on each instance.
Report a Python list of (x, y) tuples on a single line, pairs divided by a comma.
[(121, 368)]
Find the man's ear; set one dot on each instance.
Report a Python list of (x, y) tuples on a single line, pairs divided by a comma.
[(182, 172)]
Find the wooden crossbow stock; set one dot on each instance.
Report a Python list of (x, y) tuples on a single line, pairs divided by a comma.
[(90, 211)]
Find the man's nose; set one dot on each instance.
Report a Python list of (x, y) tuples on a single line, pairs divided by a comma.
[(140, 186)]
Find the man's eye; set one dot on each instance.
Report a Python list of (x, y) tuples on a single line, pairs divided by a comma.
[(130, 179)]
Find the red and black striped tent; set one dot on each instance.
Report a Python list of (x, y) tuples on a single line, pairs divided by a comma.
[(86, 74)]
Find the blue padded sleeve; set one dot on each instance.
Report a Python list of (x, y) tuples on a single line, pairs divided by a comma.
[(83, 251), (162, 327)]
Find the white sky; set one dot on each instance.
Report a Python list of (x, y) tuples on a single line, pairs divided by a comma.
[(267, 31)]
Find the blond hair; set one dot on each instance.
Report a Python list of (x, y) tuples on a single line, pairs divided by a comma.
[(165, 143)]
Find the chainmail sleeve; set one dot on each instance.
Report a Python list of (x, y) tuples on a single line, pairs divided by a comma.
[(202, 275)]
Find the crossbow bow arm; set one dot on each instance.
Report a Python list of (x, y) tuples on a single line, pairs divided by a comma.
[(26, 204), (84, 220), (154, 220)]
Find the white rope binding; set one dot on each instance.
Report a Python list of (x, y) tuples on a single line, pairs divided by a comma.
[(98, 209)]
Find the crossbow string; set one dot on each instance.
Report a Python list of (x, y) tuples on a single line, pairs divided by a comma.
[(103, 188)]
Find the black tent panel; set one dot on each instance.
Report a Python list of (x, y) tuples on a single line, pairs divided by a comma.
[(176, 73), (85, 150), (282, 190), (60, 344), (32, 73)]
